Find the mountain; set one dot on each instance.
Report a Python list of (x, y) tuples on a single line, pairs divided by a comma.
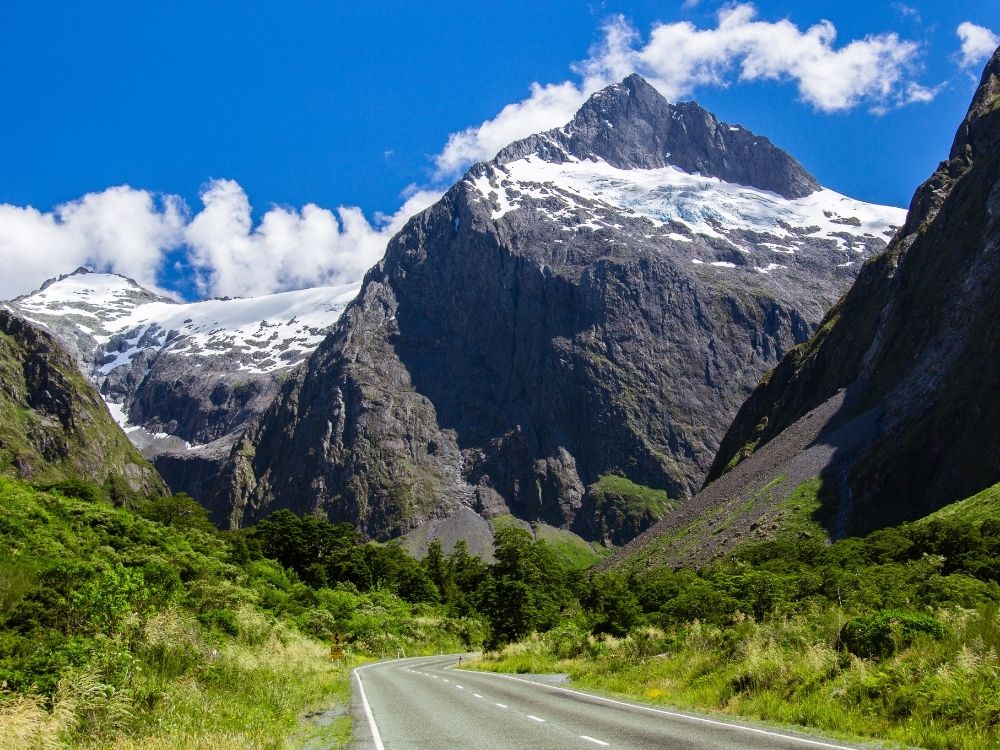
[(53, 424), (182, 379), (890, 410), (598, 300)]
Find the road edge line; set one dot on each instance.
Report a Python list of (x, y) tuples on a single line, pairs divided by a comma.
[(376, 737), (673, 714)]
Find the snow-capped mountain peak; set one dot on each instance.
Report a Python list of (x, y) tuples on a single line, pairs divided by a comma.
[(263, 334), (174, 374)]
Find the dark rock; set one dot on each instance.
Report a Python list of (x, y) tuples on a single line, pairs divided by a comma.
[(509, 358)]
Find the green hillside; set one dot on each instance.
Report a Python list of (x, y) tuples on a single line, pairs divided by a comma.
[(54, 424)]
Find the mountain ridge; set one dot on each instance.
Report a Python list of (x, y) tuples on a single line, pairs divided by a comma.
[(529, 333), (652, 132), (54, 424)]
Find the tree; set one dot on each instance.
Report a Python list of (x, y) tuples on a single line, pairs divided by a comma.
[(180, 511)]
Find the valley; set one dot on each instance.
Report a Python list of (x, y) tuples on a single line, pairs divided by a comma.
[(669, 442)]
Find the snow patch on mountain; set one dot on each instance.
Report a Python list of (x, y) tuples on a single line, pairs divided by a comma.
[(593, 194), (262, 334)]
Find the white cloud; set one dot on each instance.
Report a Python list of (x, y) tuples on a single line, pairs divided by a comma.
[(678, 58), (130, 231), (907, 11), (289, 249), (548, 106), (978, 43), (120, 229)]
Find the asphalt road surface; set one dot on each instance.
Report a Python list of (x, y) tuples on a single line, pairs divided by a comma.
[(424, 703)]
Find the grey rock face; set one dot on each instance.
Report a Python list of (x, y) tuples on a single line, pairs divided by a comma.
[(577, 307)]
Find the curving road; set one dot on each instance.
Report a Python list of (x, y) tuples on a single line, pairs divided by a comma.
[(424, 703)]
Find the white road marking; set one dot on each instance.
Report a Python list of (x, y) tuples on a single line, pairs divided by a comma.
[(594, 740), (477, 695), (376, 737), (673, 714), (536, 718), (500, 704), (460, 687)]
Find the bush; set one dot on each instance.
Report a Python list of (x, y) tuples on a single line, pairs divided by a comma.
[(882, 633)]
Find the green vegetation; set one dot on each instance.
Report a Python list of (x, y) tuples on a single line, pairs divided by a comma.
[(54, 425), (573, 551), (893, 636), (635, 498), (627, 508), (570, 550), (130, 629)]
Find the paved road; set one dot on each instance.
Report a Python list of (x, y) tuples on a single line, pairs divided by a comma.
[(424, 703)]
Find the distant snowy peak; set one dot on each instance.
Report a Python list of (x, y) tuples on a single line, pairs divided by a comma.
[(258, 335), (96, 301), (592, 194)]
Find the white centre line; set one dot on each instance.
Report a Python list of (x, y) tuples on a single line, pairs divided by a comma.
[(594, 740), (536, 718), (446, 680), (500, 704), (460, 687), (477, 695)]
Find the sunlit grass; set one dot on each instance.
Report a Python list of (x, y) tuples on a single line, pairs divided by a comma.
[(937, 694)]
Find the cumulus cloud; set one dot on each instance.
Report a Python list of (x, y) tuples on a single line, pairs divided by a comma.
[(677, 58), (289, 248), (120, 229), (131, 232), (978, 43)]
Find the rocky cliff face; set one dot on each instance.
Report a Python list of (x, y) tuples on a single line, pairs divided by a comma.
[(183, 380), (583, 305), (890, 409), (53, 423)]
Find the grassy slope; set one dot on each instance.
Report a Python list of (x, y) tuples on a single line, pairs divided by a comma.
[(625, 508), (791, 667), (151, 670), (976, 509)]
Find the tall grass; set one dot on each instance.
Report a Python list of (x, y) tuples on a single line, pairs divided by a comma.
[(935, 693), (180, 691)]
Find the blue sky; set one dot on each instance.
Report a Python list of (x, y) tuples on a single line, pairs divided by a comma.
[(352, 104)]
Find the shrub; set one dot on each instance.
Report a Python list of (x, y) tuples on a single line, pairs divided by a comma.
[(884, 632)]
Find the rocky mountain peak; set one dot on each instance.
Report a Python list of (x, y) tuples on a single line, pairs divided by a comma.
[(630, 125), (83, 279)]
